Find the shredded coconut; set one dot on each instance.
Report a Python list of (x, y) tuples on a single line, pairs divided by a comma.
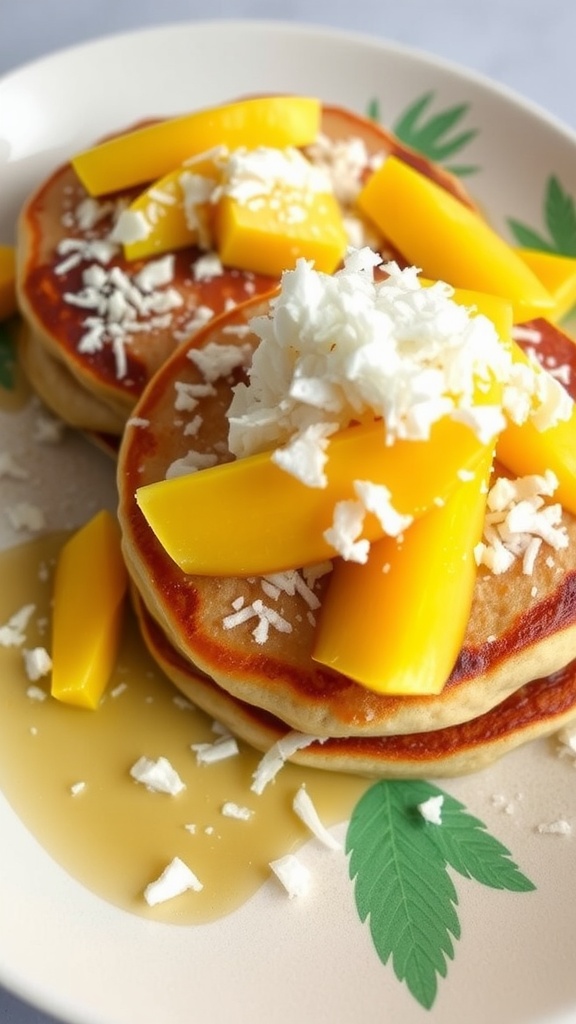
[(25, 516), (176, 879), (158, 776), (431, 809), (337, 347), (344, 161), (534, 394), (36, 693), (292, 582), (518, 521), (215, 361), (9, 468), (118, 304), (188, 394), (306, 811), (12, 633), (293, 874), (233, 810), (210, 753), (277, 755), (266, 617), (206, 267), (347, 524), (37, 663), (191, 463), (253, 174), (560, 827)]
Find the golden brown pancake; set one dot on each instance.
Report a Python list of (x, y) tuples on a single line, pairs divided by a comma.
[(536, 710), (521, 627), (61, 236)]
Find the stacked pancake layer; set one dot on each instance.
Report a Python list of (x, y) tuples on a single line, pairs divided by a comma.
[(95, 326)]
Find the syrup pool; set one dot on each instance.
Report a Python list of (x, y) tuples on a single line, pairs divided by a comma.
[(114, 835)]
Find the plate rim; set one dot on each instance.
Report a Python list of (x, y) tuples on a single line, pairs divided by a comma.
[(314, 30), (90, 48)]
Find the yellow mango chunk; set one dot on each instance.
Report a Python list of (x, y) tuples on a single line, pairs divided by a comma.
[(89, 589), (7, 281), (448, 241), (396, 623), (525, 449), (149, 153), (173, 213), (558, 275), (268, 234), (249, 516)]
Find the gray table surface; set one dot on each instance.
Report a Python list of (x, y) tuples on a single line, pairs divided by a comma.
[(527, 45)]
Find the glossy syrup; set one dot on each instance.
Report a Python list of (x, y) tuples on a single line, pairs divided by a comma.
[(114, 835)]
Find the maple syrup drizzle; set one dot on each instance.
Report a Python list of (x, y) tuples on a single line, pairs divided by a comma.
[(114, 835)]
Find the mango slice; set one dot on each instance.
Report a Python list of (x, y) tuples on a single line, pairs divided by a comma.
[(89, 589), (173, 213), (447, 240), (249, 516), (7, 281), (558, 275), (396, 623), (524, 449), (149, 153), (269, 234)]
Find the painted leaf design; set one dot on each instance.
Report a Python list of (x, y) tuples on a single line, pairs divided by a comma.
[(561, 218), (7, 358), (402, 887), (399, 864), (434, 137), (559, 213), (467, 847), (527, 238), (373, 110), (463, 170)]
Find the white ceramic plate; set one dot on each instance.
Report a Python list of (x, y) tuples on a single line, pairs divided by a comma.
[(276, 959)]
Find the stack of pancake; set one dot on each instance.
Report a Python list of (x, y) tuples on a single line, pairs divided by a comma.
[(514, 679), (241, 648)]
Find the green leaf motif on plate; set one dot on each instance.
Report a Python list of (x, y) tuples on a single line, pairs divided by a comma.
[(399, 863), (7, 358), (436, 135), (559, 212)]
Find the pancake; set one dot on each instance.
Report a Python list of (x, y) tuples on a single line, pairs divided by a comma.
[(92, 375), (65, 394), (521, 627), (534, 711)]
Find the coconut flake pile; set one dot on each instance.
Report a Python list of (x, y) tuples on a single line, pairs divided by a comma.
[(345, 347), (518, 521)]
